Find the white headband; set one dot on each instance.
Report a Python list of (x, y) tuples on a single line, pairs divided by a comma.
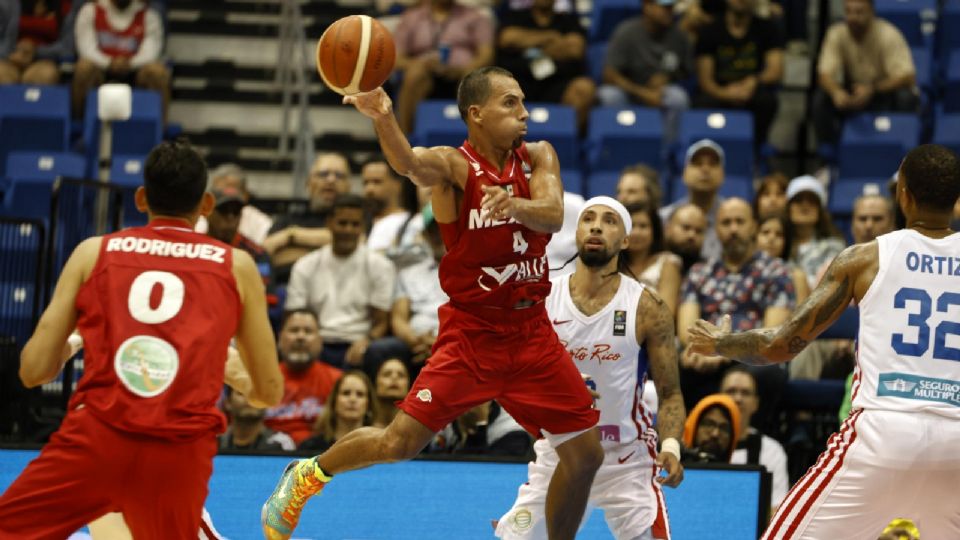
[(614, 205)]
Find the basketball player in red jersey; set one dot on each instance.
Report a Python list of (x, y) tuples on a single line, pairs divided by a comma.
[(157, 307), (495, 340)]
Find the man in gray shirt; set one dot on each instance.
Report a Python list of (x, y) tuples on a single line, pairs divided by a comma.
[(646, 59)]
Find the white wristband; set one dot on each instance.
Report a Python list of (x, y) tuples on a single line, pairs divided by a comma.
[(671, 446), (75, 342)]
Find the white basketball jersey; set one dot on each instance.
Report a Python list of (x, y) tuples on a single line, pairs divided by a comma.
[(909, 342), (604, 346)]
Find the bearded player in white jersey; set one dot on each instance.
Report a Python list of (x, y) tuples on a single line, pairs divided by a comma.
[(896, 453), (603, 317)]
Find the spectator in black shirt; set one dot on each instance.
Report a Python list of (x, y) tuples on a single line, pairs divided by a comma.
[(740, 64), (545, 51)]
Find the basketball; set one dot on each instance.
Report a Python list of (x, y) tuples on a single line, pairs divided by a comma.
[(355, 54)]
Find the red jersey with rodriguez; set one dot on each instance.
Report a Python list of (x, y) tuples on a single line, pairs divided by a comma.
[(493, 262), (156, 317)]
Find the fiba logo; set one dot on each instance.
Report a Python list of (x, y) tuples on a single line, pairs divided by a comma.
[(522, 520)]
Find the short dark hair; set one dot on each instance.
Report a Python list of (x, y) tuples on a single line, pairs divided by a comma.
[(932, 174), (347, 200), (175, 177), (474, 88), (287, 315)]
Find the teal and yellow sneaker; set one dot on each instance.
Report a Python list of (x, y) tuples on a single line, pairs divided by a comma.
[(301, 480)]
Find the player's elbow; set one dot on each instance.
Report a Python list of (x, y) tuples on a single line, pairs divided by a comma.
[(32, 373)]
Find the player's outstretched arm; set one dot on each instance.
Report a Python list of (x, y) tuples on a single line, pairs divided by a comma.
[(43, 355), (424, 166), (781, 343), (543, 211), (255, 340), (655, 323)]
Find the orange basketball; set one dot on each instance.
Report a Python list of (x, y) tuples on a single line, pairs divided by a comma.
[(355, 54)]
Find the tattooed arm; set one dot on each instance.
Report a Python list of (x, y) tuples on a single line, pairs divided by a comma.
[(848, 277), (655, 324)]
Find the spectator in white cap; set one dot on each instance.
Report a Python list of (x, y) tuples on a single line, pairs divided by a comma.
[(816, 241), (703, 175)]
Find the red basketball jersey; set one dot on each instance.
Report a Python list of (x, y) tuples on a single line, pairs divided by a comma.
[(493, 262), (156, 317)]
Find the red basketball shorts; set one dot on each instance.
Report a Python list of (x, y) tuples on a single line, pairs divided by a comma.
[(89, 468), (510, 355)]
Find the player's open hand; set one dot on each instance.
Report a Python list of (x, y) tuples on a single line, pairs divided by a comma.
[(374, 104), (497, 203), (670, 465), (704, 335)]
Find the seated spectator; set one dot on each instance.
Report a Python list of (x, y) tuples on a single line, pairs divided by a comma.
[(771, 196), (351, 405), (872, 217), (392, 382), (223, 223), (745, 283), (775, 238), (546, 50), (683, 236), (646, 257), (347, 285), (753, 447), (648, 58), (639, 184), (32, 38), (711, 431), (865, 65), (414, 312), (815, 240), (294, 235), (306, 380), (254, 224), (246, 430), (486, 429), (703, 175), (740, 65), (438, 42), (385, 194), (121, 41)]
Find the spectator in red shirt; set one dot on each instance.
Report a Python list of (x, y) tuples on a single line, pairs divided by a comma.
[(33, 33), (306, 381)]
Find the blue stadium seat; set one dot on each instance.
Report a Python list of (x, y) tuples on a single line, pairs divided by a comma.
[(733, 186), (951, 91), (596, 58), (946, 131), (134, 136), (33, 118), (872, 145), (844, 191), (128, 171), (847, 326), (603, 183), (916, 19), (948, 37), (620, 137), (28, 198), (572, 181), (923, 62), (605, 15), (44, 165), (438, 123), (732, 130), (558, 125)]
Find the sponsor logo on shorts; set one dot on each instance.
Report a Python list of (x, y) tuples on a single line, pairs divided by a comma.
[(610, 433), (908, 386), (522, 520), (425, 396), (626, 457)]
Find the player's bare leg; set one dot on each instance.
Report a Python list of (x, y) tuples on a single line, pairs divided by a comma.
[(403, 439), (569, 488)]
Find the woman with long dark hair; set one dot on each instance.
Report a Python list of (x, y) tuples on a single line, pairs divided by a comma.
[(647, 260), (816, 241), (775, 238)]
